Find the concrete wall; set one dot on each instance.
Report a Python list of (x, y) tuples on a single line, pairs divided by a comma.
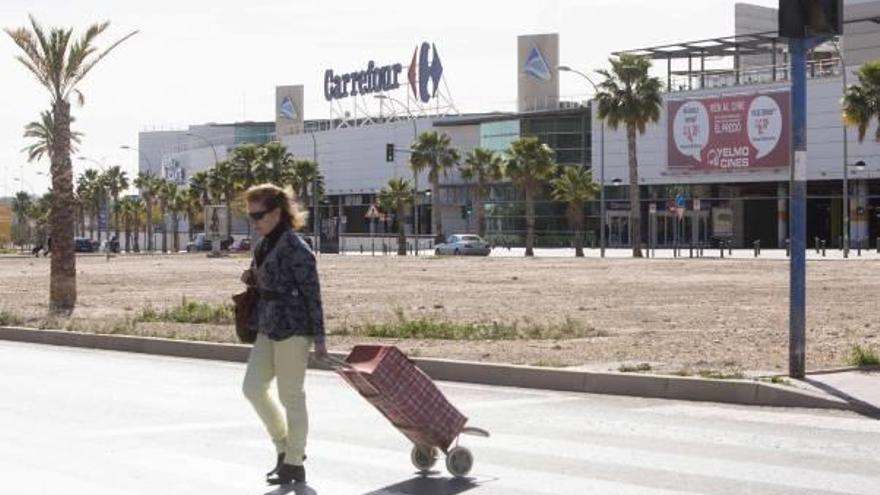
[(353, 159)]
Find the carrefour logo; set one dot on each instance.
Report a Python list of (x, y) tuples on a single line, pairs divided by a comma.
[(424, 75), (429, 72), (536, 66)]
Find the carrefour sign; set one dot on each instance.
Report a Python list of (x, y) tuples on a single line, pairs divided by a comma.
[(425, 70)]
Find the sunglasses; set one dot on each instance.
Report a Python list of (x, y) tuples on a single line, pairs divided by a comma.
[(258, 215)]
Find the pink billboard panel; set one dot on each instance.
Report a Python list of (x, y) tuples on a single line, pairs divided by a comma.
[(729, 132)]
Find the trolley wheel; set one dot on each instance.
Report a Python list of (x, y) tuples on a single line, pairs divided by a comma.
[(423, 458), (459, 461)]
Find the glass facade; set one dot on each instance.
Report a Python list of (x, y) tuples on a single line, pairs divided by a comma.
[(567, 134), (497, 136)]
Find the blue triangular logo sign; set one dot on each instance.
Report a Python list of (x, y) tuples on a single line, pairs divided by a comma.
[(287, 110), (536, 66)]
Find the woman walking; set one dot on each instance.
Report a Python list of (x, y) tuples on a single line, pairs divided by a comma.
[(288, 319)]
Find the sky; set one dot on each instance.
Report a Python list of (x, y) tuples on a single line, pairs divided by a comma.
[(198, 61)]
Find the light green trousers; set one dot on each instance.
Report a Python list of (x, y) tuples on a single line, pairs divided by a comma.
[(285, 360)]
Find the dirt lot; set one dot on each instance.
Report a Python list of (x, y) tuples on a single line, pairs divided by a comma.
[(676, 314)]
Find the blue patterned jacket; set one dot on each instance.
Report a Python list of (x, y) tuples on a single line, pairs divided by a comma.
[(290, 292)]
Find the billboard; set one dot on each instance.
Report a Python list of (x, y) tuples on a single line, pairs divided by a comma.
[(729, 132), (5, 224), (538, 78)]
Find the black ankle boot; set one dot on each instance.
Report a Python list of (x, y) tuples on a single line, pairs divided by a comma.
[(288, 474), (277, 465)]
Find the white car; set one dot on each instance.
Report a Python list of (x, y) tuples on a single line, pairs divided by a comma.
[(463, 244)]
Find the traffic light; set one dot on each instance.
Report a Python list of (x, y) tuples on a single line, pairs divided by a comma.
[(804, 18), (389, 152)]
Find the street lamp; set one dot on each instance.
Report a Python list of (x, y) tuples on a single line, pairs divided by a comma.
[(101, 164), (416, 221), (565, 68), (203, 138), (141, 153)]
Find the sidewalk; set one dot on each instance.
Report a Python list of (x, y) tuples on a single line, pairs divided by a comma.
[(859, 388)]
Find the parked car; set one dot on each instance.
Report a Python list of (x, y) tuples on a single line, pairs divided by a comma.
[(200, 243), (83, 245), (463, 244), (243, 244)]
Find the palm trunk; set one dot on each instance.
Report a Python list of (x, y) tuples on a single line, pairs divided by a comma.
[(530, 221), (116, 213), (127, 234), (162, 213), (578, 225), (635, 207), (175, 242), (481, 214), (148, 225), (62, 278), (435, 212), (401, 235), (228, 214)]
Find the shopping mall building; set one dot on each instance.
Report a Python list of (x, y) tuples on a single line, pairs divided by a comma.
[(715, 166)]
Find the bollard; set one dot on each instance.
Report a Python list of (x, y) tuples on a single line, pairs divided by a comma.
[(787, 248), (362, 249), (823, 247), (755, 245), (878, 245), (816, 241), (860, 248), (730, 248), (721, 246), (691, 250)]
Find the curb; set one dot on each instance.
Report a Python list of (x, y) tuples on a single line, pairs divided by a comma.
[(742, 392)]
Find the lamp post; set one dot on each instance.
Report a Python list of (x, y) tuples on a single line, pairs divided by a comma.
[(565, 68), (141, 153), (209, 143), (416, 221)]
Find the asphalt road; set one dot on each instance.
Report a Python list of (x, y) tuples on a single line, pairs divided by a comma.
[(76, 421)]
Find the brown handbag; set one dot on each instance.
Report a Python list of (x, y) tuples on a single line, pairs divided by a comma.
[(245, 302)]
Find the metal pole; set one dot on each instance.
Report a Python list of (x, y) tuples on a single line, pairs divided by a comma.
[(797, 215), (602, 190), (845, 167), (416, 221), (316, 229)]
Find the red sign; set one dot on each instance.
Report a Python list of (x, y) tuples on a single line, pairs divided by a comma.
[(730, 132)]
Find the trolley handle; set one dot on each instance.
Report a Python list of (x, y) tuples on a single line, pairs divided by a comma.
[(335, 363)]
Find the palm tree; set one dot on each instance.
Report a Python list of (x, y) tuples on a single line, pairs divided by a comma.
[(116, 181), (575, 186), (40, 212), (60, 65), (529, 165), (629, 96), (222, 179), (148, 184), (90, 189), (138, 213), (124, 208), (395, 198), (41, 133), (482, 166), (308, 183), (433, 151), (861, 103), (21, 207), (273, 164), (166, 193), (178, 204), (198, 193)]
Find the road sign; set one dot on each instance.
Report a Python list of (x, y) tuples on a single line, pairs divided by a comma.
[(679, 200), (652, 208), (372, 212)]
